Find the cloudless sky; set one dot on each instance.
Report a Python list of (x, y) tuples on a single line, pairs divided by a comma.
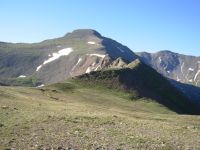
[(142, 25)]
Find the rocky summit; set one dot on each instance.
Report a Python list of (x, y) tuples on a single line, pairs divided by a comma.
[(51, 61)]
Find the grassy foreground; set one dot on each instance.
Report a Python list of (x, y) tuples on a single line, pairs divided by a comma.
[(72, 116)]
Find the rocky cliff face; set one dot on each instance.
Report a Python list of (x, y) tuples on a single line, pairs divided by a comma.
[(182, 68)]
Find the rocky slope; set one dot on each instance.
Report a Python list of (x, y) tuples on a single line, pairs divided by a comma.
[(182, 68), (55, 60)]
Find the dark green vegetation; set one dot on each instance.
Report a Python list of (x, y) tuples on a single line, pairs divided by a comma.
[(27, 81), (140, 81)]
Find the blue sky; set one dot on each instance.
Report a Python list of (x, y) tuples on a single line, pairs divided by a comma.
[(142, 25)]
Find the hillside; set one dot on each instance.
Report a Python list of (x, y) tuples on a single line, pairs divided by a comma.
[(86, 50), (55, 60), (73, 115), (179, 69), (119, 107), (141, 81)]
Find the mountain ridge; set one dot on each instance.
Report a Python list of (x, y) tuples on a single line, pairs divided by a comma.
[(87, 45), (83, 51), (133, 78), (180, 67)]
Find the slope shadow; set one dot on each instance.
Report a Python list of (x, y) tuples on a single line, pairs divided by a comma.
[(148, 83), (122, 50), (191, 91)]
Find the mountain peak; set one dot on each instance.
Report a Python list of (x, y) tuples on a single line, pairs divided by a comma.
[(84, 33), (165, 52)]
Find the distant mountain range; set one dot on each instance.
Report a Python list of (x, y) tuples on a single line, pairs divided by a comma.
[(84, 51), (182, 68), (178, 68)]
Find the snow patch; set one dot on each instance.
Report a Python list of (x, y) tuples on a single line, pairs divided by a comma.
[(22, 76), (91, 42), (39, 67), (178, 79), (182, 67), (165, 67), (190, 80), (168, 71), (88, 70), (196, 75), (59, 46), (40, 86), (98, 55), (79, 60), (54, 56), (97, 68), (191, 69), (159, 59)]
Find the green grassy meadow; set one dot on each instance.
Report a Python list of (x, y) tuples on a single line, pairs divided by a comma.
[(72, 115)]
